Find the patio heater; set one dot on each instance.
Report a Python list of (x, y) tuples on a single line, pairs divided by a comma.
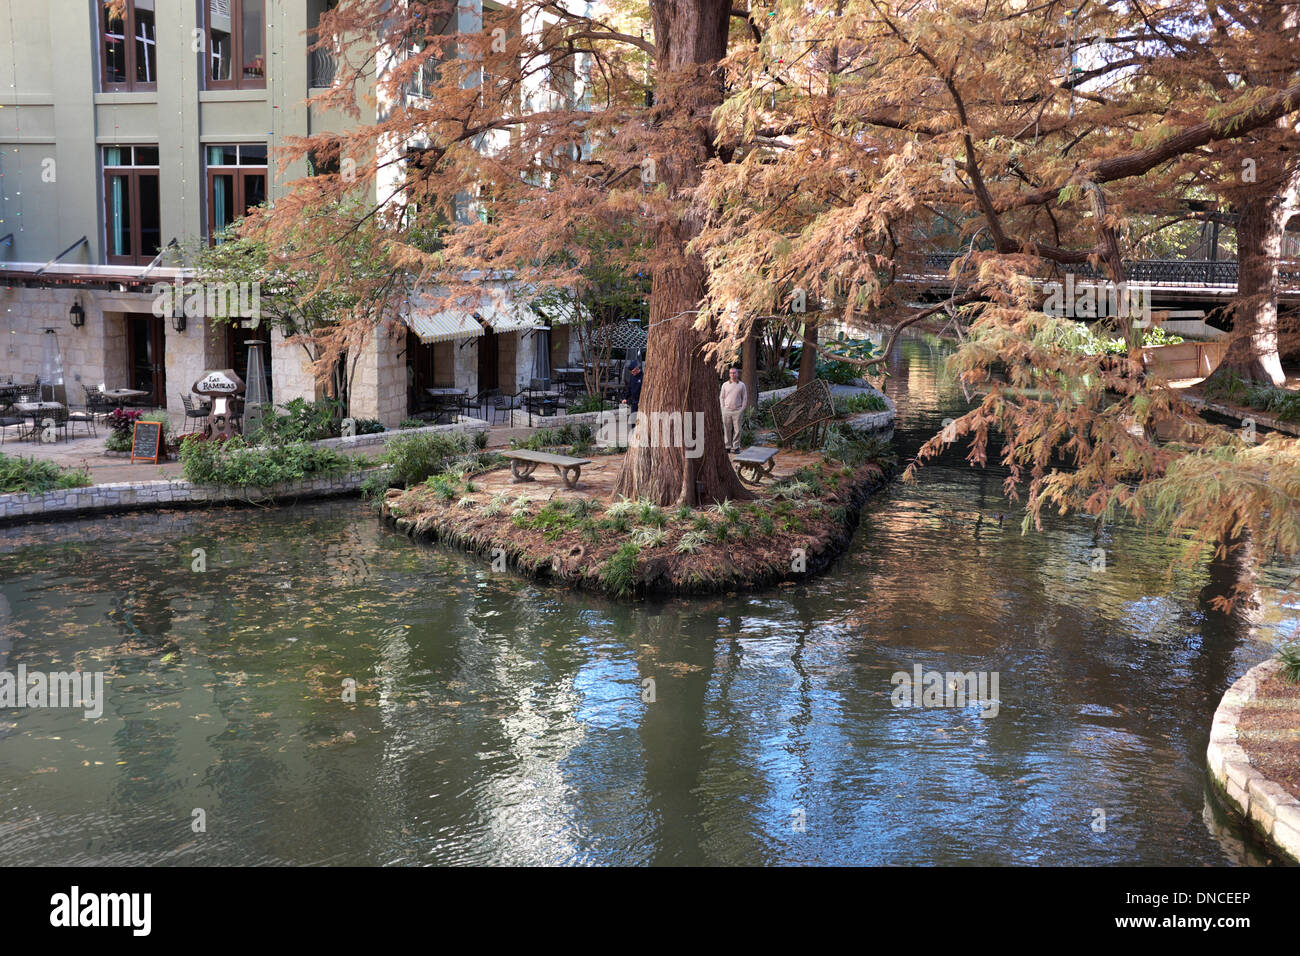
[(255, 398), (51, 365)]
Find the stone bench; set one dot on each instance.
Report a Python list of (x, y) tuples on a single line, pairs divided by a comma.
[(523, 463), (754, 463)]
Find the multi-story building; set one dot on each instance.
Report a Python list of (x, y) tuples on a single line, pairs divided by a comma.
[(125, 136)]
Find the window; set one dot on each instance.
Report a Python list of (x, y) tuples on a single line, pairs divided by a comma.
[(236, 44), (236, 183), (129, 45), (132, 212)]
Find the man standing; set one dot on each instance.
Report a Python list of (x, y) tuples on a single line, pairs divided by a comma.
[(632, 396), (732, 398)]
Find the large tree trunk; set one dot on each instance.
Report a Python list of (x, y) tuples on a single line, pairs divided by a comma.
[(691, 37), (1261, 220), (808, 357)]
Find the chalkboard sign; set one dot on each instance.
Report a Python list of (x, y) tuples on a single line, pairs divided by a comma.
[(146, 442)]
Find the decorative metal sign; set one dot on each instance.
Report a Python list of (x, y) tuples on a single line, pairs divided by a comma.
[(222, 388), (808, 405)]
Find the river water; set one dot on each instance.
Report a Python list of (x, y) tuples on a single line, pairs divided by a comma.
[(498, 722)]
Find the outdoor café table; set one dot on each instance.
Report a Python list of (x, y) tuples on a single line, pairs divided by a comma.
[(446, 399), (36, 410), (120, 396)]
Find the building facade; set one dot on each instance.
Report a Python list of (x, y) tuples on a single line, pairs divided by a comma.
[(127, 135)]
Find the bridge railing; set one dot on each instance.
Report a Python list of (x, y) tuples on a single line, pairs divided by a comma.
[(1170, 272)]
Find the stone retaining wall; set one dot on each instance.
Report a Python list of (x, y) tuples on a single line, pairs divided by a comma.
[(176, 492), (1261, 419), (1267, 805), (469, 425)]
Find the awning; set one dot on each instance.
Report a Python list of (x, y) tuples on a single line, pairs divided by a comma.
[(431, 324), (471, 315)]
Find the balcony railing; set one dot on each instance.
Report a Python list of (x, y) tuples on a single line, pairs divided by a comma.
[(1174, 272), (323, 67)]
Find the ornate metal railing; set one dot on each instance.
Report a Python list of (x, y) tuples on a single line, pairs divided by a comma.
[(323, 68), (1167, 272)]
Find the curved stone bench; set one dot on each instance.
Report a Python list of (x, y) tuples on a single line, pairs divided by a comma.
[(1269, 806)]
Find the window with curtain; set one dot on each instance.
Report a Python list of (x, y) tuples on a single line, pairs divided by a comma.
[(128, 45), (236, 37), (236, 184), (132, 206)]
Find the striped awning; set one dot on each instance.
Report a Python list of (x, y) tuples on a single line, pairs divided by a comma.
[(431, 324)]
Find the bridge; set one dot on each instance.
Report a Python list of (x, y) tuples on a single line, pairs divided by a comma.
[(1210, 282)]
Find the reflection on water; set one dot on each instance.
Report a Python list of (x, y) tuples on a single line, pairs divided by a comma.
[(498, 722)]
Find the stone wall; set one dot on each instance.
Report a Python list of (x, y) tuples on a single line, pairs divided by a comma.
[(468, 425), (25, 314), (136, 495), (202, 346), (1267, 805), (379, 385), (291, 374)]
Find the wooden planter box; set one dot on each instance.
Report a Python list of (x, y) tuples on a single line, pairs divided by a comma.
[(1183, 361)]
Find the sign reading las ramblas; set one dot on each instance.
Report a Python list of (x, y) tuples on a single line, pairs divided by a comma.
[(221, 387)]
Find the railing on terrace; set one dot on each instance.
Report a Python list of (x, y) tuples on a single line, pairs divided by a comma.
[(1166, 272), (323, 68)]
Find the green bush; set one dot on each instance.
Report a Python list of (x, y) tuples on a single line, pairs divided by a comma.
[(299, 420), (1080, 338), (1289, 655), (587, 403), (36, 475), (415, 458), (236, 463), (861, 402), (367, 426), (118, 441), (1228, 386), (619, 572)]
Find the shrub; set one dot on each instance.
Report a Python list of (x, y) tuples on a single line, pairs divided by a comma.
[(858, 403), (691, 542), (1228, 386), (1289, 655), (412, 423), (647, 512), (621, 508), (587, 403), (367, 426), (792, 490), (36, 475), (649, 537), (414, 458), (236, 463), (619, 572)]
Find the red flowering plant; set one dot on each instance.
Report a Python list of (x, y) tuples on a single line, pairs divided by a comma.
[(122, 420)]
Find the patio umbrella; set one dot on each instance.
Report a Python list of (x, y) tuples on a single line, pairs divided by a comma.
[(621, 335), (51, 361)]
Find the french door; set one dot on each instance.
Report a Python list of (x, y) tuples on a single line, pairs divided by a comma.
[(147, 357)]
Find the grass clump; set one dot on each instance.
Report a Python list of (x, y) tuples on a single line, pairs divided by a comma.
[(1289, 655), (619, 572), (34, 475)]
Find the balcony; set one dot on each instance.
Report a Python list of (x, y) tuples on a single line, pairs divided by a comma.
[(323, 66)]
